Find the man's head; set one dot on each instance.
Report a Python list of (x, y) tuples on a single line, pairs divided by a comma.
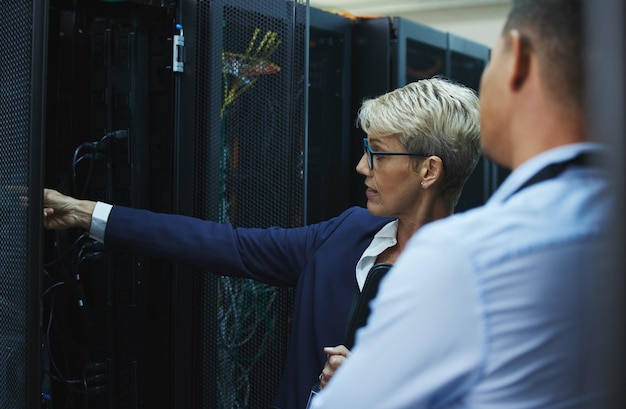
[(536, 72), (553, 29)]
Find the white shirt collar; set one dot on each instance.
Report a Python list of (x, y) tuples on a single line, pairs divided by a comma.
[(385, 238)]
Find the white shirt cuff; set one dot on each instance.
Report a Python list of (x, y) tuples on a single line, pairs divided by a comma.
[(99, 221)]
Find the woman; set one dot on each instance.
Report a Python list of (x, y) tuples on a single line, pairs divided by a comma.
[(423, 142), (436, 126)]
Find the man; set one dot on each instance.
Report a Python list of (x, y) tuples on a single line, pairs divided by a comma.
[(496, 308)]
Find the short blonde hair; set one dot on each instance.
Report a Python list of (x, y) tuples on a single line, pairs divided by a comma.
[(433, 116)]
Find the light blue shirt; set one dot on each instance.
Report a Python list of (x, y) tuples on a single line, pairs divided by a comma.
[(495, 308)]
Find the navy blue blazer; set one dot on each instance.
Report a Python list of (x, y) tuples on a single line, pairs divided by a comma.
[(318, 260)]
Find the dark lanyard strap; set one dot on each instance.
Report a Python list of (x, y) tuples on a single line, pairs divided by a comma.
[(555, 169), (361, 312)]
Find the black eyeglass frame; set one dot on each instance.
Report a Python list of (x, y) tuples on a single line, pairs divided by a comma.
[(369, 153)]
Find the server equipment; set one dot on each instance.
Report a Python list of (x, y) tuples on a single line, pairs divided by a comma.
[(240, 143), (329, 161), (110, 90), (22, 79), (190, 107)]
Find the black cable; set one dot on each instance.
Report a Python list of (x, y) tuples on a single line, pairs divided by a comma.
[(58, 374), (62, 256), (93, 150), (52, 287)]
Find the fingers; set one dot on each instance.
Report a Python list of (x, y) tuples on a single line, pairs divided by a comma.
[(335, 358), (337, 350), (334, 361), (326, 374), (57, 211), (49, 195)]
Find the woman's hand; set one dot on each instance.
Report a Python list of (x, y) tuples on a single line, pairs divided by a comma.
[(64, 212), (336, 356)]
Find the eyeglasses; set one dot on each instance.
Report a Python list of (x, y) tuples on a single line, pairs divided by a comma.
[(367, 150)]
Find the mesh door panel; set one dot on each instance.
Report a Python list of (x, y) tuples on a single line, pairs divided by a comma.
[(16, 49), (249, 172)]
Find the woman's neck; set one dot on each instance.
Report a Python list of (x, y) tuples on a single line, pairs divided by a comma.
[(407, 226), (406, 229)]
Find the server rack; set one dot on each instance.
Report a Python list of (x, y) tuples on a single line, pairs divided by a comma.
[(240, 142), (191, 107), (23, 79), (330, 168), (108, 133)]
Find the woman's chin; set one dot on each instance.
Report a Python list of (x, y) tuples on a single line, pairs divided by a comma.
[(374, 208)]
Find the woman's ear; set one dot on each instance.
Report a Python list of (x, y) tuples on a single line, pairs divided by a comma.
[(431, 171)]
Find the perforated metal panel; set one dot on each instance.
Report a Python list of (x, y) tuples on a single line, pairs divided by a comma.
[(248, 170), (18, 141)]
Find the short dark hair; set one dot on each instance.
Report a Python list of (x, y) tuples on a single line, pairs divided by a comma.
[(554, 30)]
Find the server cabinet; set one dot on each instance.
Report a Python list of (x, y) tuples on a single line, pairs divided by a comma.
[(240, 142), (108, 132), (22, 75), (390, 52), (190, 107), (329, 163)]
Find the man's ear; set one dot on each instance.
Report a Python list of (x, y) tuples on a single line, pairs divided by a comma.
[(519, 52), (431, 171)]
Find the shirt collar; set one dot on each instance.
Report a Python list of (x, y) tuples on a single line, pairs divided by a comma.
[(527, 169), (385, 238)]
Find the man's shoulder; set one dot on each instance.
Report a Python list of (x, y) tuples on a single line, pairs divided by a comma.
[(551, 215)]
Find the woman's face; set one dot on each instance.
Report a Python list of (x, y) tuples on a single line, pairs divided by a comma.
[(393, 186)]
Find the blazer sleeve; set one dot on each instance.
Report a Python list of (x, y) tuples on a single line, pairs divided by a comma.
[(274, 255)]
